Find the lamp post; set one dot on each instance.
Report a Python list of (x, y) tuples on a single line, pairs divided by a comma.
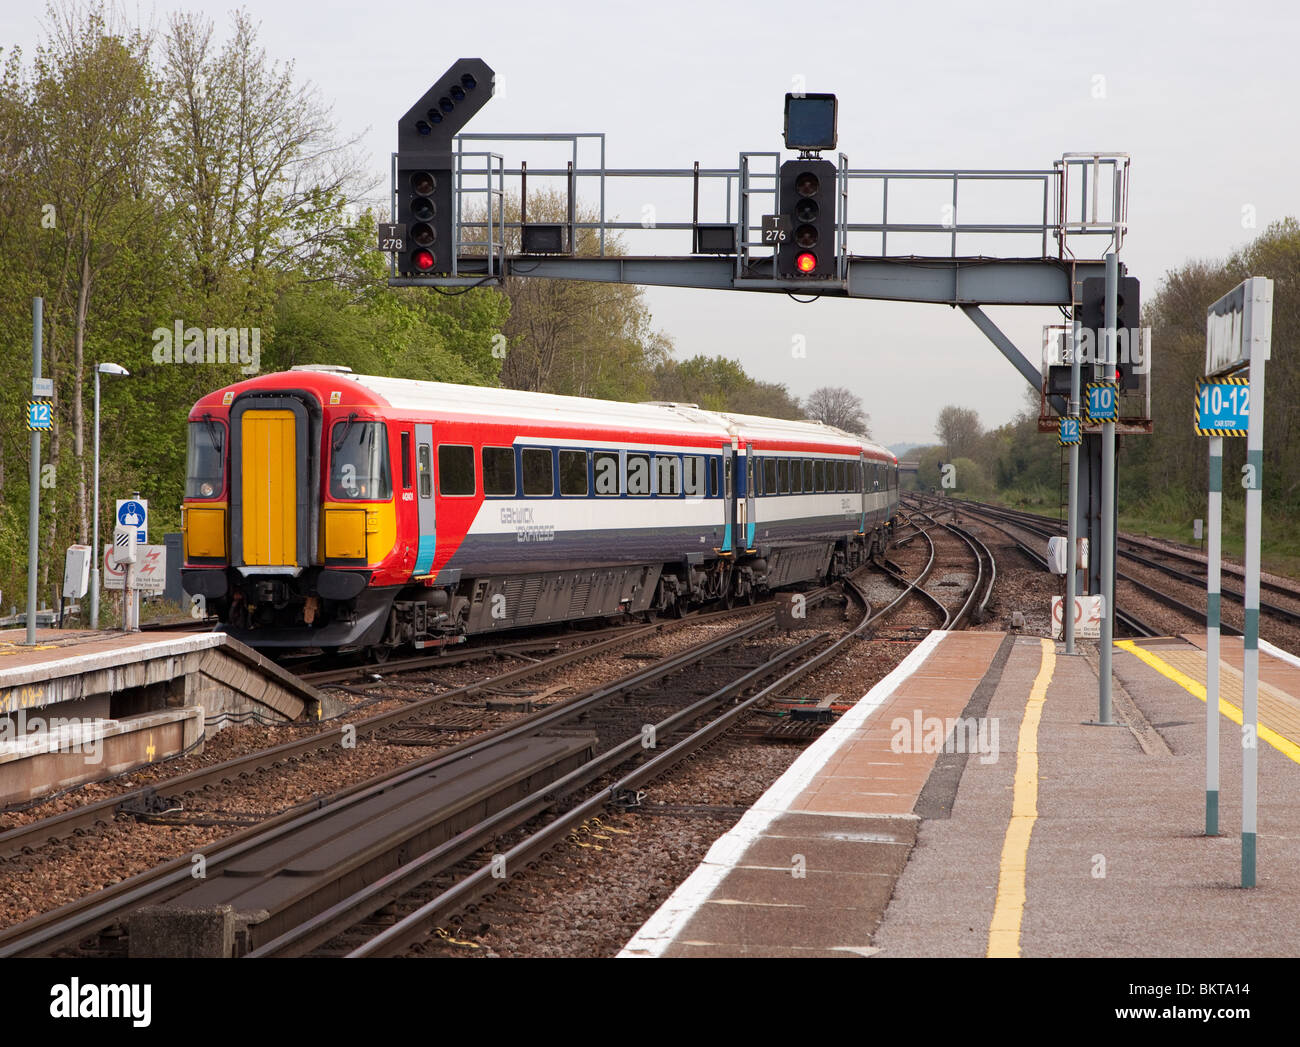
[(95, 552)]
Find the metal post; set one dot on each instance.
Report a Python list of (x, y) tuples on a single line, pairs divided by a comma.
[(95, 552), (1072, 523), (34, 499), (1107, 505), (1256, 332), (1212, 597)]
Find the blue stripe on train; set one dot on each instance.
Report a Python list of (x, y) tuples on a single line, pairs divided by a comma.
[(424, 557)]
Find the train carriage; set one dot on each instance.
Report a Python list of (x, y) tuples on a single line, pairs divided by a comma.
[(326, 509)]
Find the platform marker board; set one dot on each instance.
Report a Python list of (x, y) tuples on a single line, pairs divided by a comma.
[(1069, 431), (1101, 402), (40, 416), (1238, 341), (1223, 407)]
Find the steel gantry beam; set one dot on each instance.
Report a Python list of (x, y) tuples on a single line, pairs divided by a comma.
[(939, 281)]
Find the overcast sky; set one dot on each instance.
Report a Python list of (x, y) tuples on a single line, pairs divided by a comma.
[(1201, 93)]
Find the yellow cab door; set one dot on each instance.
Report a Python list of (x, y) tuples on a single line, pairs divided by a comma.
[(268, 441)]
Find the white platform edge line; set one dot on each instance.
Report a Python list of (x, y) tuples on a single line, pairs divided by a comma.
[(662, 928), (1279, 654)]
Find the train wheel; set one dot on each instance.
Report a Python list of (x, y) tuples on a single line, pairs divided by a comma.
[(379, 654)]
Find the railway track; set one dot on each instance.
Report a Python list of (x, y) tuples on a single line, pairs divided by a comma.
[(81, 819), (383, 870), (1045, 528)]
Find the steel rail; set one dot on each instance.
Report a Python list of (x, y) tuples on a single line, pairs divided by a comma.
[(416, 925)]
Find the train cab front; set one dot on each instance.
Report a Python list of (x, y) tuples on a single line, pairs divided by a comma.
[(288, 514)]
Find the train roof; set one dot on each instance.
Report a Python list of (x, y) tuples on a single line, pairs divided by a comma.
[(513, 404)]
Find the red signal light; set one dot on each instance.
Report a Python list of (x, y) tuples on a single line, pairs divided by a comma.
[(423, 260), (806, 262)]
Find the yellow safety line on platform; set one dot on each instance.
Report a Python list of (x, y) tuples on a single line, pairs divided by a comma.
[(1280, 742), (1009, 908)]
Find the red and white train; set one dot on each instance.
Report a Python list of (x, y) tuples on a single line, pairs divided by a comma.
[(332, 510)]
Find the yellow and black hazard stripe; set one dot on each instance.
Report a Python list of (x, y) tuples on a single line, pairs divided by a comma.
[(1196, 410), (1087, 414)]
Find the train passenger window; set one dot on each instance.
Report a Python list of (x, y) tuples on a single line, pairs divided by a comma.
[(714, 489), (539, 472), (573, 473), (606, 470), (783, 475), (359, 461), (455, 470), (808, 475), (406, 461), (668, 468), (819, 471), (424, 466), (638, 475), (693, 476), (841, 476), (499, 471), (796, 476), (769, 476)]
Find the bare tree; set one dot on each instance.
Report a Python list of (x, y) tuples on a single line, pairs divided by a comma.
[(835, 405), (959, 429)]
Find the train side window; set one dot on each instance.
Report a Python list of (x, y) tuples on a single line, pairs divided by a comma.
[(406, 461), (424, 467), (693, 476), (573, 473), (539, 472), (769, 476), (499, 471), (782, 476), (796, 476), (808, 475), (714, 489), (668, 468), (638, 475), (726, 471), (455, 470), (819, 472), (606, 470)]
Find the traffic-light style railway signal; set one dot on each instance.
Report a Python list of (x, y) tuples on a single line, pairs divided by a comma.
[(426, 165)]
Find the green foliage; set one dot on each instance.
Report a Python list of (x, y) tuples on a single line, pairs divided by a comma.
[(719, 384), (173, 177)]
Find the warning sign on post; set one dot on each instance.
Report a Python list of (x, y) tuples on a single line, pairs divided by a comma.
[(1087, 617), (150, 569)]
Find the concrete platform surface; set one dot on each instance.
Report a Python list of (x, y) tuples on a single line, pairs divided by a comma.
[(809, 869), (1115, 861)]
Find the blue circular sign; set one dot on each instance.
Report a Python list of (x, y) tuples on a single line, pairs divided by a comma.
[(131, 514)]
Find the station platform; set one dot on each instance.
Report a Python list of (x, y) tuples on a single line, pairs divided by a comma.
[(968, 806), (81, 705)]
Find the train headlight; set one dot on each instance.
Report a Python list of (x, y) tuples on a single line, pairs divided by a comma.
[(207, 490)]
